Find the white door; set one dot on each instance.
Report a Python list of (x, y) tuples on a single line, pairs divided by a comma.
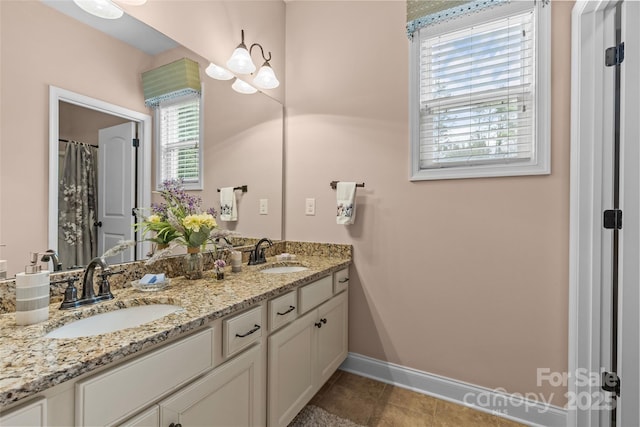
[(116, 189), (629, 279)]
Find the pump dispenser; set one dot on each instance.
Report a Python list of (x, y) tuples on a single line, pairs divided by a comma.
[(32, 293)]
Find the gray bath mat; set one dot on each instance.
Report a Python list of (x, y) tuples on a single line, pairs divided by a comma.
[(312, 416)]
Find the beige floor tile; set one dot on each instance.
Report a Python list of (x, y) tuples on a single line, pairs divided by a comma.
[(452, 415), (364, 387), (347, 403), (409, 400), (391, 415)]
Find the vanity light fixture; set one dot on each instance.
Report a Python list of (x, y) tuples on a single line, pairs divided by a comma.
[(217, 72), (241, 63), (241, 86), (105, 9), (101, 8)]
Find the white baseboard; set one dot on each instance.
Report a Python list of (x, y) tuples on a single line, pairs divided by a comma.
[(513, 407)]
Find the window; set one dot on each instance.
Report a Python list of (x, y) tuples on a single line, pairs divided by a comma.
[(179, 141), (479, 94)]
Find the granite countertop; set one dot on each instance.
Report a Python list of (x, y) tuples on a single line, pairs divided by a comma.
[(30, 363)]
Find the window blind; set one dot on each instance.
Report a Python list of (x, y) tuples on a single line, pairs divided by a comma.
[(477, 94), (180, 140)]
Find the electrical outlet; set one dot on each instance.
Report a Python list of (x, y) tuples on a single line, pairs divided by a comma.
[(264, 206), (310, 207)]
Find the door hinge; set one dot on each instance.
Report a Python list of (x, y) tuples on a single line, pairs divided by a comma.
[(613, 219), (614, 55), (135, 142), (611, 382)]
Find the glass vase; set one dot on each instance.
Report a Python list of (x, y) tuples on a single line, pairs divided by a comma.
[(193, 264)]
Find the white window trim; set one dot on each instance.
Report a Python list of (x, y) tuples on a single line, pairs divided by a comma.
[(541, 164), (158, 149)]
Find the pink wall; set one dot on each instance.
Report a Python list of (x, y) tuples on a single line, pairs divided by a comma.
[(467, 279), (41, 47)]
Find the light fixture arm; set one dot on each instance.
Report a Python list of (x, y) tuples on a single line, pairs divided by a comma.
[(261, 50)]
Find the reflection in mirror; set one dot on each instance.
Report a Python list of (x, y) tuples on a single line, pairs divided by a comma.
[(242, 144), (97, 175)]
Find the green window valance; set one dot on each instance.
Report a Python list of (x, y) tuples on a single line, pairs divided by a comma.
[(178, 78), (421, 13)]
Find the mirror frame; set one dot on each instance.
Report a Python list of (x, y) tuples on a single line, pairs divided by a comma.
[(56, 95)]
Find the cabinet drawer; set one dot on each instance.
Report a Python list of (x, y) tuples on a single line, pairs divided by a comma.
[(283, 310), (340, 280), (241, 331), (315, 293), (119, 392)]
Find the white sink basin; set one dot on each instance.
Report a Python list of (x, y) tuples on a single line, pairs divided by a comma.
[(284, 269), (113, 321)]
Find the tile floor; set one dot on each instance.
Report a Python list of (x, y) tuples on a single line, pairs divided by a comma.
[(372, 403)]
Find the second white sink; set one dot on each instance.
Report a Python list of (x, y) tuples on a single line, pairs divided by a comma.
[(112, 321), (284, 269)]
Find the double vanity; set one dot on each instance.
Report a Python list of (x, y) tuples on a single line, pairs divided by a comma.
[(251, 349)]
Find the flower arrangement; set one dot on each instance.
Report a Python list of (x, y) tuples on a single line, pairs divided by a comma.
[(179, 219), (219, 264)]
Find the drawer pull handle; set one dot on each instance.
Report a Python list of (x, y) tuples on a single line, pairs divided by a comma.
[(255, 329), (319, 324), (291, 308), (345, 280)]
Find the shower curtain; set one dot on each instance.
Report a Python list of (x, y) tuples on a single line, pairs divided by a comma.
[(78, 205)]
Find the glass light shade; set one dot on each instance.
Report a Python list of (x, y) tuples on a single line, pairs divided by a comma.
[(266, 78), (216, 72), (101, 8), (240, 62), (241, 86)]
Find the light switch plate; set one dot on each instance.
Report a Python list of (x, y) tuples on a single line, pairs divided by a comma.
[(310, 206), (264, 206)]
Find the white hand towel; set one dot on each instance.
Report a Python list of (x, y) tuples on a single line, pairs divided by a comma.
[(228, 208), (346, 198)]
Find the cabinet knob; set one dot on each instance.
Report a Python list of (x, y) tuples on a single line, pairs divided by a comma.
[(175, 425), (323, 320), (318, 325)]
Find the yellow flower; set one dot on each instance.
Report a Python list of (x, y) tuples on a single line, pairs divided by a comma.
[(154, 218), (191, 222)]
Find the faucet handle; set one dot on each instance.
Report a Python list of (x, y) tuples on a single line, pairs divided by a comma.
[(107, 273), (70, 293)]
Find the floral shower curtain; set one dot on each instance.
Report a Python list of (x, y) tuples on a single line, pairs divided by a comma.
[(78, 205)]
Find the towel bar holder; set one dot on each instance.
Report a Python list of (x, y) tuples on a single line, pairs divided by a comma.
[(242, 187), (334, 184)]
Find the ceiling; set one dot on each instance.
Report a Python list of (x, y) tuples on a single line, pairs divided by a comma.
[(126, 28)]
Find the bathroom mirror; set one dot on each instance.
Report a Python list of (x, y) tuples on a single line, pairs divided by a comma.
[(242, 140)]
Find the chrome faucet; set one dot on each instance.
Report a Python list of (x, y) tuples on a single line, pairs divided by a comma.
[(257, 254), (104, 290), (51, 255), (88, 291)]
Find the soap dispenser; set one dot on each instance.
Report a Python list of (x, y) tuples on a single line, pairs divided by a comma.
[(32, 293)]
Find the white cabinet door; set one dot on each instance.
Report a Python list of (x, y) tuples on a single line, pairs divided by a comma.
[(332, 336), (302, 357), (292, 361), (231, 395), (149, 418), (30, 415)]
